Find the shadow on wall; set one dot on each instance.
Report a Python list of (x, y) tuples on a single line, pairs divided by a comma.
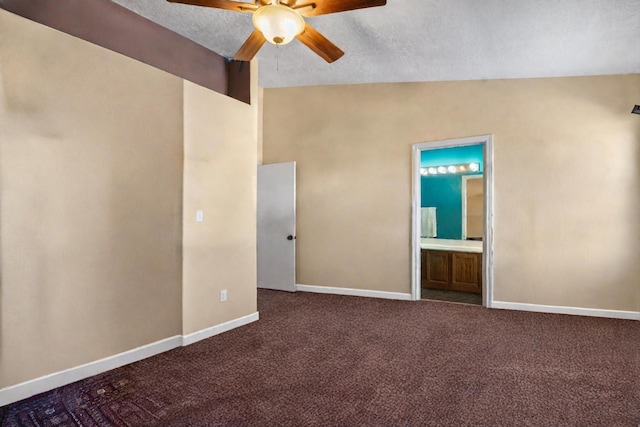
[(629, 194), (634, 223), (582, 210), (3, 137), (580, 91)]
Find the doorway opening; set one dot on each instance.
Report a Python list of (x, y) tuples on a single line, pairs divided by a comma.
[(452, 222)]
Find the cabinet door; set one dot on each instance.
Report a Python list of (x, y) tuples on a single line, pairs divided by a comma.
[(466, 272), (436, 273), (423, 268)]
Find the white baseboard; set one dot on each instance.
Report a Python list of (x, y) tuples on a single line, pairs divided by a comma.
[(218, 329), (30, 388), (58, 379), (555, 309), (354, 292)]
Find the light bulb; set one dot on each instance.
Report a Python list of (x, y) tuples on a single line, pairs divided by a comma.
[(278, 24), (433, 171), (442, 169)]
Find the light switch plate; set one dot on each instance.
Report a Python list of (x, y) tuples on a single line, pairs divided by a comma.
[(199, 216)]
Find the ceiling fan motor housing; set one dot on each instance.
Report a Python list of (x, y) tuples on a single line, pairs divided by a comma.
[(280, 21)]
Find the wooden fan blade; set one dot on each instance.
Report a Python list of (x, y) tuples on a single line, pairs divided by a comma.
[(250, 47), (220, 4), (318, 43), (323, 7)]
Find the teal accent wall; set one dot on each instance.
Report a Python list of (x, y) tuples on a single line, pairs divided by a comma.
[(444, 192), (453, 156), (440, 192)]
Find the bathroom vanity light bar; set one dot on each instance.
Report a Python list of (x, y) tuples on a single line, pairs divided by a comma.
[(451, 169)]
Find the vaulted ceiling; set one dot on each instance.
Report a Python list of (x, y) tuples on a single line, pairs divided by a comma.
[(431, 40)]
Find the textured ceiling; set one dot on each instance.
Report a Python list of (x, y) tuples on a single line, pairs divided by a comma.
[(431, 40)]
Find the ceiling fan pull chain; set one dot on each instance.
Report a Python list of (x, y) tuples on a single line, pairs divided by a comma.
[(277, 63)]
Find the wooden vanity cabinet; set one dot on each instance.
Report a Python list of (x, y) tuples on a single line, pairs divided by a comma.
[(435, 269), (451, 271)]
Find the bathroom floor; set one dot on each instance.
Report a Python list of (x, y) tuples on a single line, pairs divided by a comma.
[(451, 296)]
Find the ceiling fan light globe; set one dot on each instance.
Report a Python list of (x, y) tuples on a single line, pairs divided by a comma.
[(278, 24)]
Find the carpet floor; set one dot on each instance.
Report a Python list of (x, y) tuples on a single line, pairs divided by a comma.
[(327, 360)]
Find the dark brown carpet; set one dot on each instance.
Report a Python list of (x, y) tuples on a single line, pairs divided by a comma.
[(324, 360)]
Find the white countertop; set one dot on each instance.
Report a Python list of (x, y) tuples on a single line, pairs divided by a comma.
[(451, 245)]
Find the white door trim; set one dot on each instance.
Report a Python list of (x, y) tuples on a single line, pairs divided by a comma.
[(487, 244)]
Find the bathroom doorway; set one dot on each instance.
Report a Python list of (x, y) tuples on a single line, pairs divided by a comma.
[(452, 219)]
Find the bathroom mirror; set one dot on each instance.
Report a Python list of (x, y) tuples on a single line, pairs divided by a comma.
[(452, 207), (452, 193), (472, 207)]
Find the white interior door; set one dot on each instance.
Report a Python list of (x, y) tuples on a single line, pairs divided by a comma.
[(277, 226)]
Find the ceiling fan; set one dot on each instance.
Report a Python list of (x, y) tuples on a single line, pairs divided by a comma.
[(280, 21)]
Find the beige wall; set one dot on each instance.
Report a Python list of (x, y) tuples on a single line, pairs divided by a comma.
[(567, 181), (219, 179), (91, 197)]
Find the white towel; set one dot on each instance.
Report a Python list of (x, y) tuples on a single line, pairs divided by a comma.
[(428, 222)]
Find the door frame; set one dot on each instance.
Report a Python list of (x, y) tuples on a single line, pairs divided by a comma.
[(487, 243)]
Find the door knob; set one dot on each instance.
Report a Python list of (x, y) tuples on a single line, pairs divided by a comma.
[(290, 237)]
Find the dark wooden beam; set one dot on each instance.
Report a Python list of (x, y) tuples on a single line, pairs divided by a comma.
[(239, 80), (114, 27)]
